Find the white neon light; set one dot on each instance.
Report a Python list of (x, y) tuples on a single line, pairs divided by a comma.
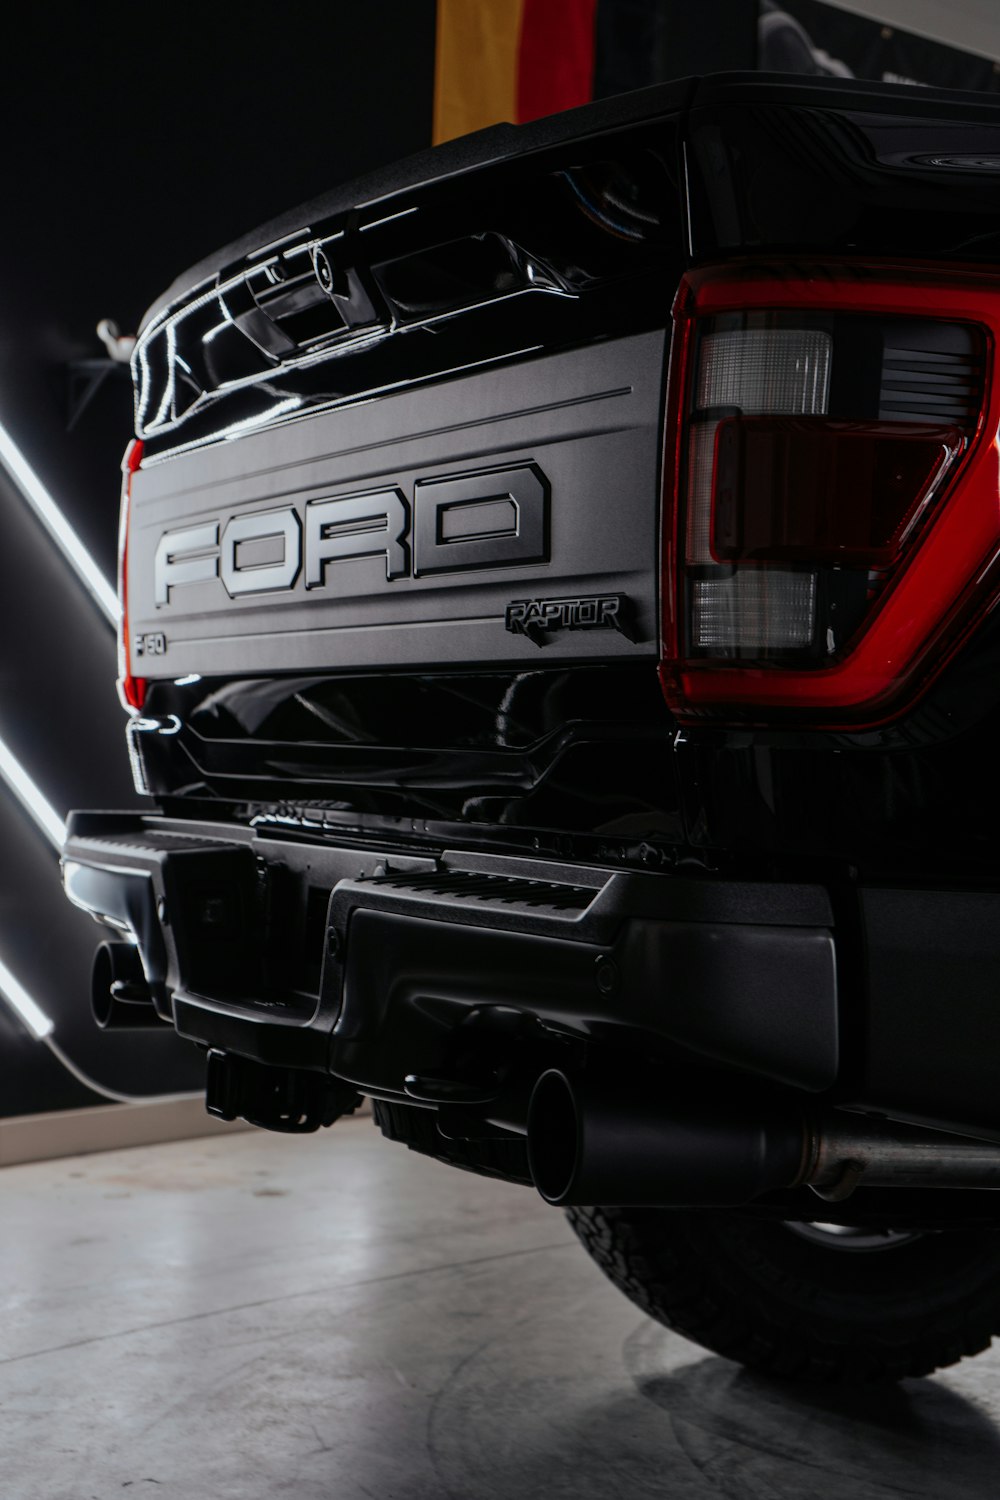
[(31, 799), (21, 1003), (56, 524), (42, 1028), (374, 223), (247, 424), (213, 333)]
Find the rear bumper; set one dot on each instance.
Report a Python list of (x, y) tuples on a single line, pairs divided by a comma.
[(373, 966)]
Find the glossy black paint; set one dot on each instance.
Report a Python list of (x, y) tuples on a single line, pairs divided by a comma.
[(912, 800), (575, 761), (587, 763), (582, 244), (870, 171)]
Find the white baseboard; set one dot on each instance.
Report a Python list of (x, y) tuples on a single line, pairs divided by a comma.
[(111, 1127), (106, 1127)]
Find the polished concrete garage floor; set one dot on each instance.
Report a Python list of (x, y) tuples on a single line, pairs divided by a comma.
[(333, 1318)]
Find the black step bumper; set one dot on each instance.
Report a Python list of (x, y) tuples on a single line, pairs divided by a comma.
[(364, 963)]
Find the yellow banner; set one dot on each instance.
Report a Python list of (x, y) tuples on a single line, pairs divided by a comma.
[(475, 76)]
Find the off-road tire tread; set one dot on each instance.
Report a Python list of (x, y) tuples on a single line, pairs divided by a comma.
[(658, 1259)]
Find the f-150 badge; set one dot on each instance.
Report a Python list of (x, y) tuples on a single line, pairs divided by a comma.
[(535, 618)]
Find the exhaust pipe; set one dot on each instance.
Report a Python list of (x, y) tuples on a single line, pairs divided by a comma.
[(607, 1143), (119, 994), (846, 1152), (611, 1144)]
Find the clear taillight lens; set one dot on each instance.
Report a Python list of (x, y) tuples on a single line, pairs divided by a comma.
[(822, 429), (765, 369), (747, 370), (753, 611)]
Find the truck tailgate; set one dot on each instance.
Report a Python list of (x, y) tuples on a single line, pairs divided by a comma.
[(502, 517)]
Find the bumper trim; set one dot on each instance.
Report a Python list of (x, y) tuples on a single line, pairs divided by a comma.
[(366, 964)]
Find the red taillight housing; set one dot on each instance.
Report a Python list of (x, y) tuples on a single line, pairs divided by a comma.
[(832, 516), (131, 690)]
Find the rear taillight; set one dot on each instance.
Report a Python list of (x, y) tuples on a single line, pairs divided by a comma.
[(834, 524), (131, 690)]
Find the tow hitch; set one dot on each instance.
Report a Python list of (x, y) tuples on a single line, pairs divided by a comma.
[(290, 1100)]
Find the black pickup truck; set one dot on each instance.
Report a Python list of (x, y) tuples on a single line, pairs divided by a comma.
[(558, 580)]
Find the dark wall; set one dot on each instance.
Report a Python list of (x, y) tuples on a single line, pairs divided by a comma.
[(641, 42), (134, 145)]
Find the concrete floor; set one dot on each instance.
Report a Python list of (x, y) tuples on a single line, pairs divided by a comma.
[(334, 1318)]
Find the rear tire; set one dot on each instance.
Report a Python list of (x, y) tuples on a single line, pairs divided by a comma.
[(757, 1291)]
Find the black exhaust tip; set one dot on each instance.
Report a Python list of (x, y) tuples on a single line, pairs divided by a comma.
[(119, 994), (642, 1140), (554, 1136)]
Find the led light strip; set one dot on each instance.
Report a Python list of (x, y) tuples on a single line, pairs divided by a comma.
[(58, 527), (24, 1007), (12, 991), (31, 799)]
